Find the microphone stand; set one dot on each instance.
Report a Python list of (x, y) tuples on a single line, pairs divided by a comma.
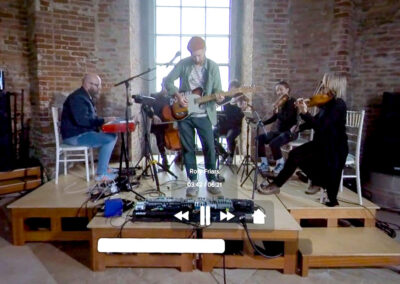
[(247, 160), (126, 82), (148, 155), (260, 124)]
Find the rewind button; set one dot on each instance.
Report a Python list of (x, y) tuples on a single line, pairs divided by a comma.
[(181, 215)]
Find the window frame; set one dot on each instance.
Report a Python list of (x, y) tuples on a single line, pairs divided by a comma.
[(153, 85)]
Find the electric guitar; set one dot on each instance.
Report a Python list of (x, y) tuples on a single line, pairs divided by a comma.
[(196, 101)]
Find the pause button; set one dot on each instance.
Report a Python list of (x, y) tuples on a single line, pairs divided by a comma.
[(205, 215)]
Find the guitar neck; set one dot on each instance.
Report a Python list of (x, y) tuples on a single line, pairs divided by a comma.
[(213, 97)]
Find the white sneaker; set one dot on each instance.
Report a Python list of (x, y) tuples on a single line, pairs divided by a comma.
[(214, 187), (192, 189), (263, 168), (229, 161), (313, 189)]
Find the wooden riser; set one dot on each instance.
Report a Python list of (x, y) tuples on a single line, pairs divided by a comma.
[(346, 261), (346, 247), (184, 262), (332, 216), (209, 262), (22, 234), (17, 185), (99, 261), (20, 180), (63, 200)]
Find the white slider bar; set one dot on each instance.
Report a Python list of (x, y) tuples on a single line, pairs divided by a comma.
[(141, 245)]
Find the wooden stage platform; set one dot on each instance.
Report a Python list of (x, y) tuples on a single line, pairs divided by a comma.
[(56, 207)]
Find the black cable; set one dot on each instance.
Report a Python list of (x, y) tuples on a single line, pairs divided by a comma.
[(83, 204), (243, 222), (387, 227), (191, 235), (223, 261), (122, 227), (390, 209), (256, 207)]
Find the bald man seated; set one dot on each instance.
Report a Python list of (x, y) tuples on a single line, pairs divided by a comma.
[(80, 124)]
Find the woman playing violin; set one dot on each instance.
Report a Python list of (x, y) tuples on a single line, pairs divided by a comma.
[(285, 116), (323, 158)]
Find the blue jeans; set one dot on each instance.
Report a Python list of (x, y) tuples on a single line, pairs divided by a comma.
[(276, 140), (105, 141)]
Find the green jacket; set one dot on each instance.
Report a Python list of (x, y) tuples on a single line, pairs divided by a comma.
[(183, 69)]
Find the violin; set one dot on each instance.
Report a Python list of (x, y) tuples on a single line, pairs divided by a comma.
[(318, 100), (280, 102), (240, 100)]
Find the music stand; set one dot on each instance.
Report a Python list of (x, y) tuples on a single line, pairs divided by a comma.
[(247, 160), (148, 155), (218, 176), (147, 126), (260, 124)]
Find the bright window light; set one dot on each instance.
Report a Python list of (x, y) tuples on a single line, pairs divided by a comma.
[(176, 21)]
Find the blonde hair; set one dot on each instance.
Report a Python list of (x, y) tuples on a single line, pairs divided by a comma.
[(335, 83)]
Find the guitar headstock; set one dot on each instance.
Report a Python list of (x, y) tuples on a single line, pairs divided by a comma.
[(244, 89)]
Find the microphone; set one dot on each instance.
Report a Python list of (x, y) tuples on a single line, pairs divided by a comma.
[(143, 99), (178, 53)]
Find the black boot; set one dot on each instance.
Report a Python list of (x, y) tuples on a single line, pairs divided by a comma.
[(331, 203), (164, 161)]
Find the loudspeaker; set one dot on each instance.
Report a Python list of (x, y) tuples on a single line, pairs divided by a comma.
[(6, 149), (388, 140)]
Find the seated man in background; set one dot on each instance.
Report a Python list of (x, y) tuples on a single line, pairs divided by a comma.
[(161, 99), (230, 123), (80, 124)]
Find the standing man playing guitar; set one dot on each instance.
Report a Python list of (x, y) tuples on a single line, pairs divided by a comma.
[(196, 72)]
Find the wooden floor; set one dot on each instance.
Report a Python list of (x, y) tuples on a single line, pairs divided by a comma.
[(285, 212)]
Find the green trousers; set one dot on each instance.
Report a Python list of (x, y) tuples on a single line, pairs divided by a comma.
[(187, 136)]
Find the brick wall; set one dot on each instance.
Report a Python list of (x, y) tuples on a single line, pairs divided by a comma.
[(309, 39), (377, 60), (47, 46), (356, 38), (376, 66), (54, 43), (270, 49), (13, 48)]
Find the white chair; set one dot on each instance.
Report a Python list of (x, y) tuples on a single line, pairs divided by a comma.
[(354, 126), (71, 153)]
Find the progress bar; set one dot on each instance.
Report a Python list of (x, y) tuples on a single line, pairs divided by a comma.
[(133, 245)]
